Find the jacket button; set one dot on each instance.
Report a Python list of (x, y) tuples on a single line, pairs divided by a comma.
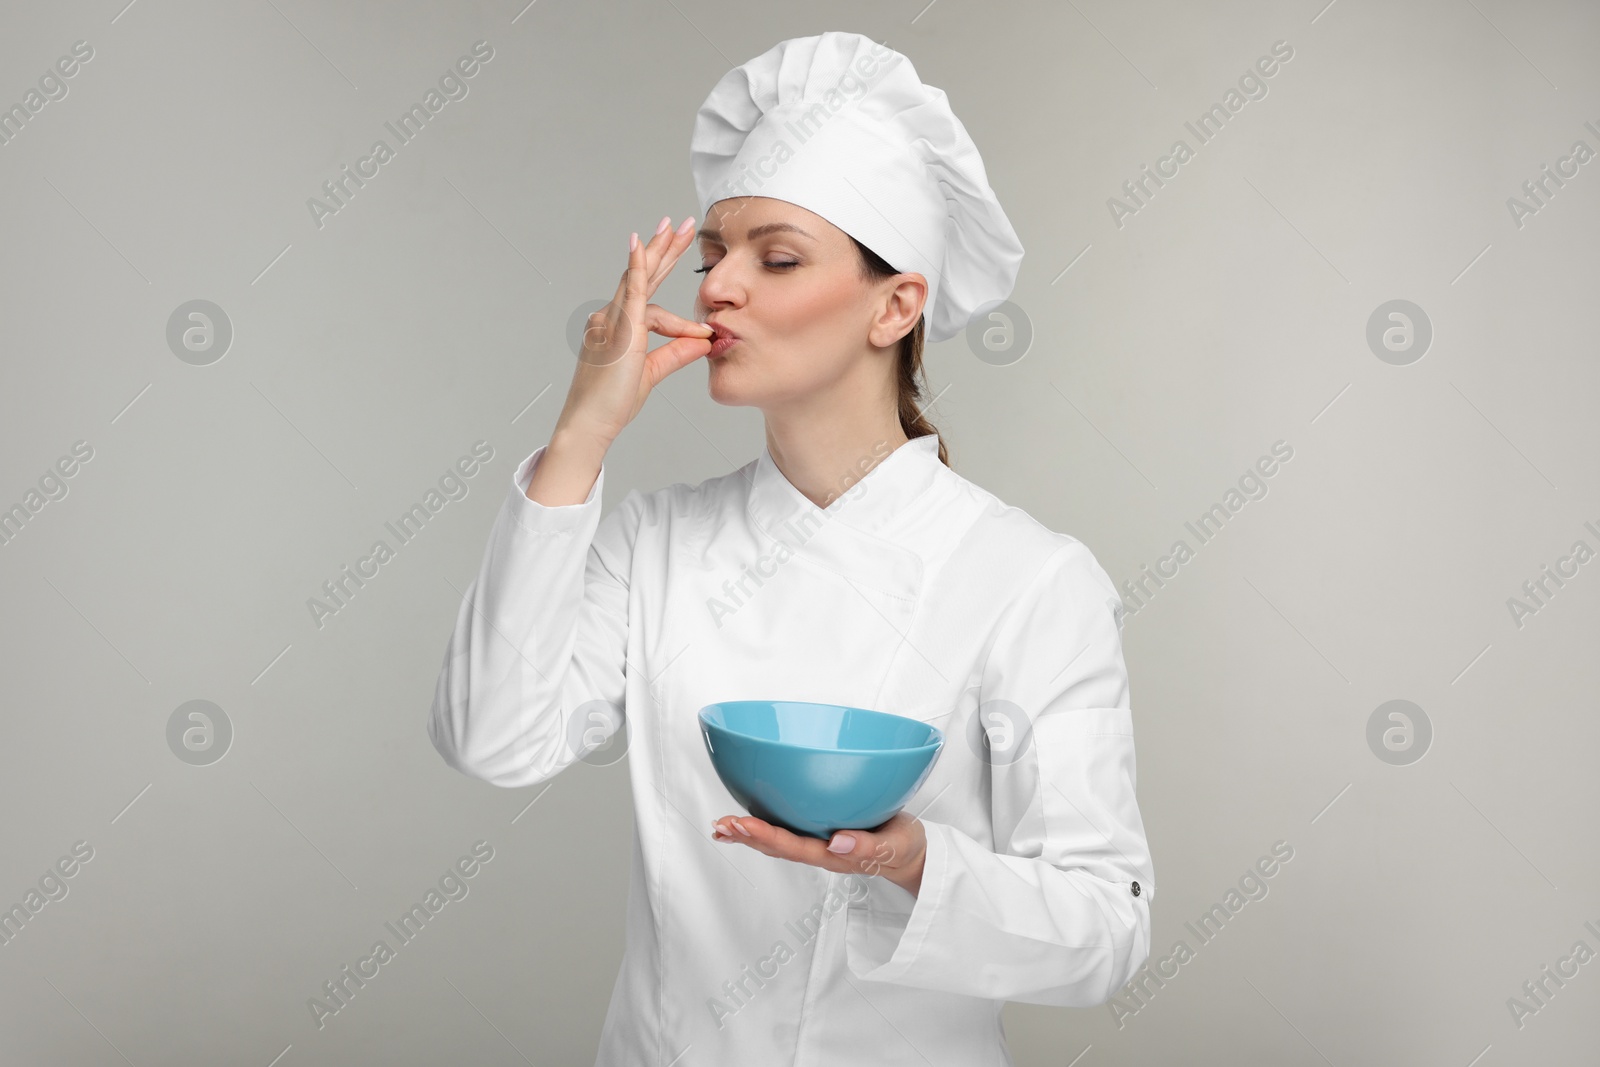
[(1136, 889)]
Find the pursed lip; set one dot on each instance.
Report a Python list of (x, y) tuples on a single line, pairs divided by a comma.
[(721, 331)]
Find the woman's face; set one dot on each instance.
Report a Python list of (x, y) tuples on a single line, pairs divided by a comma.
[(789, 284)]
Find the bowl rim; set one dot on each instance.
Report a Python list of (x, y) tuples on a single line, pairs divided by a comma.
[(705, 724)]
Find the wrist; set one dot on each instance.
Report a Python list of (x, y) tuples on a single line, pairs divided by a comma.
[(909, 880), (908, 876), (573, 441)]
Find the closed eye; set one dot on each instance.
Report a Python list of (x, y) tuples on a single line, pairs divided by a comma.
[(775, 266)]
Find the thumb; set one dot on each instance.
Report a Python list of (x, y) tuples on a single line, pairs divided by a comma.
[(675, 355), (877, 849), (845, 842)]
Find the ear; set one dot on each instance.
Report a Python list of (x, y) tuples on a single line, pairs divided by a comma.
[(902, 308)]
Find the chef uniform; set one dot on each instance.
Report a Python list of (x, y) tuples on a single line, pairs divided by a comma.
[(914, 592)]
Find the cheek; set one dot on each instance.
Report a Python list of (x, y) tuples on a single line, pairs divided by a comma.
[(808, 327), (820, 307), (810, 334)]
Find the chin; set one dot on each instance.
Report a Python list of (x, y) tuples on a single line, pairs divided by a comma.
[(721, 388), (732, 387)]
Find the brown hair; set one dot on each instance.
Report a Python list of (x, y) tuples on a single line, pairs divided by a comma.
[(911, 382)]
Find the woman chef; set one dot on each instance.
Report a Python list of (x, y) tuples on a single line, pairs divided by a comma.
[(847, 215)]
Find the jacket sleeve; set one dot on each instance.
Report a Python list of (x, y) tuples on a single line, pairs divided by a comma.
[(533, 675), (1051, 915)]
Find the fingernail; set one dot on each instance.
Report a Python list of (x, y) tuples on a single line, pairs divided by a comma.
[(633, 242), (841, 843), (663, 224), (687, 225), (737, 825)]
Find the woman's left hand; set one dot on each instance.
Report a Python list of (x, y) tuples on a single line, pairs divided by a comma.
[(895, 849)]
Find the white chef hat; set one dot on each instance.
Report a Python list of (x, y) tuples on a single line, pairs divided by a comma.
[(842, 126)]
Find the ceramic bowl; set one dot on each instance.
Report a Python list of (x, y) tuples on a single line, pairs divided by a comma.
[(816, 768)]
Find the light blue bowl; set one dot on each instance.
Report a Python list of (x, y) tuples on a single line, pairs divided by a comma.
[(816, 768)]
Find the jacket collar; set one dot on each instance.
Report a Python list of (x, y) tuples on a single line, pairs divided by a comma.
[(860, 533)]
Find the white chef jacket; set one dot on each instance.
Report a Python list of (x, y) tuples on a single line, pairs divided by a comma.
[(916, 593)]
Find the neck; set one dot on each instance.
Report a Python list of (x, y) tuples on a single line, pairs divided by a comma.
[(824, 461)]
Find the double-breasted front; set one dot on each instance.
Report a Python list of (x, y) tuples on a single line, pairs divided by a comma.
[(916, 592)]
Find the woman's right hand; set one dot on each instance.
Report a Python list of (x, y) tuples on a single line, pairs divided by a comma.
[(615, 374)]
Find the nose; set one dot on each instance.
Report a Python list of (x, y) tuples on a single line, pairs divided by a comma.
[(719, 288)]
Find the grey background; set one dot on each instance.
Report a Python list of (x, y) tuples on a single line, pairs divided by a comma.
[(369, 354)]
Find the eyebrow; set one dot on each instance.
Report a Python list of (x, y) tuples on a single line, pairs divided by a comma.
[(757, 231)]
